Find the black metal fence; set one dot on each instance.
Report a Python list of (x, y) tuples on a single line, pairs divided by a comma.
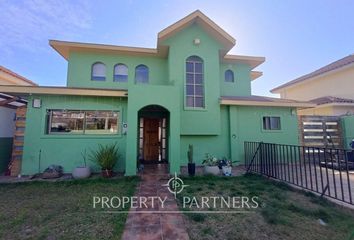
[(327, 171)]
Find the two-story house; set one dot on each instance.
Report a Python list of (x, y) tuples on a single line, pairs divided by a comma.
[(154, 102)]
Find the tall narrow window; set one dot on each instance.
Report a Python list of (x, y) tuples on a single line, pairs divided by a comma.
[(120, 73), (98, 72), (194, 82), (141, 74), (229, 76)]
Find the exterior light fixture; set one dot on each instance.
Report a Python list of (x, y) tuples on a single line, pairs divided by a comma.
[(36, 103), (196, 41)]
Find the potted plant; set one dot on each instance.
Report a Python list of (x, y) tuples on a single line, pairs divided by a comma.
[(226, 166), (82, 171), (211, 165), (106, 157), (191, 164)]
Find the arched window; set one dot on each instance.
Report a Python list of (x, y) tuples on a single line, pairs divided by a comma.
[(141, 74), (98, 72), (120, 73), (229, 76), (194, 82)]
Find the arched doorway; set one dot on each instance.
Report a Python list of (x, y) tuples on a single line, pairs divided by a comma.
[(153, 126)]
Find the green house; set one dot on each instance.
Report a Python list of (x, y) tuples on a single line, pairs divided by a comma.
[(153, 102)]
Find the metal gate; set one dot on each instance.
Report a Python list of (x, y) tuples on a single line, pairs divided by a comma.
[(320, 131)]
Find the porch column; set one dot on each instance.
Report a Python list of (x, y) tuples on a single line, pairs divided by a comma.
[(131, 150), (174, 143)]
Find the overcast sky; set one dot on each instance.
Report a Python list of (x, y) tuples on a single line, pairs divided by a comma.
[(296, 37)]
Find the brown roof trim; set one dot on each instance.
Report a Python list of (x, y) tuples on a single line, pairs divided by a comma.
[(334, 66), (8, 71), (263, 101), (63, 91), (255, 75), (210, 26)]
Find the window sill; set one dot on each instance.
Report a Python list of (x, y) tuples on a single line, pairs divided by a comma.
[(195, 109), (82, 136)]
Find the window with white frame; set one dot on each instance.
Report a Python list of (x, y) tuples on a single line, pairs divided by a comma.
[(120, 73), (271, 123), (194, 82), (82, 122), (98, 72)]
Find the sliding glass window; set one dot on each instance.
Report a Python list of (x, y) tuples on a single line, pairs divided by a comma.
[(82, 122)]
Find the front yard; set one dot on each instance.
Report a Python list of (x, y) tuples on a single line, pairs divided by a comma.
[(61, 210), (285, 213)]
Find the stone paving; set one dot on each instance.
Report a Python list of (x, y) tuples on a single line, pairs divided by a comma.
[(152, 223)]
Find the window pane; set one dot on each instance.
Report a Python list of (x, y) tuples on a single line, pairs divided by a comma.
[(199, 102), (199, 90), (141, 74), (98, 71), (121, 69), (189, 102), (199, 78), (275, 123), (101, 122), (190, 90), (199, 67), (190, 78), (121, 78), (66, 122), (189, 67), (229, 76)]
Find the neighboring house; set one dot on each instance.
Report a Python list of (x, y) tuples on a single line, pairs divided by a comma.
[(154, 102), (8, 105), (331, 88)]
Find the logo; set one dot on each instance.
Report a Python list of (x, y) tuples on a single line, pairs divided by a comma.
[(175, 185)]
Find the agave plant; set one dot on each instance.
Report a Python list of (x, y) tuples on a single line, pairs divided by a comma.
[(105, 156)]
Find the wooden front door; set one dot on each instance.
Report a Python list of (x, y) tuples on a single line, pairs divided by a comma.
[(151, 139)]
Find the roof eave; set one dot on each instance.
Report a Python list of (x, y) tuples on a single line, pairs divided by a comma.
[(265, 103), (29, 90)]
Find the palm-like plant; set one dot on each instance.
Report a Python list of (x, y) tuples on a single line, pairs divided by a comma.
[(105, 156)]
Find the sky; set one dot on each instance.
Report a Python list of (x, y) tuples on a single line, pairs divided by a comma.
[(295, 37)]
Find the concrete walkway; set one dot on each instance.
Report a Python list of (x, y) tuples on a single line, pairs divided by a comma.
[(152, 222)]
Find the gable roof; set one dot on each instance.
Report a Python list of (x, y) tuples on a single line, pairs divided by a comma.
[(17, 76), (326, 69), (207, 24)]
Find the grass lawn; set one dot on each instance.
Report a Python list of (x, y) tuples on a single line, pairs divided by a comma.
[(285, 213), (61, 210)]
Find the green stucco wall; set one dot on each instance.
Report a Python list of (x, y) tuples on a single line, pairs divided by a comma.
[(66, 150), (79, 70), (241, 124), (347, 129), (5, 153)]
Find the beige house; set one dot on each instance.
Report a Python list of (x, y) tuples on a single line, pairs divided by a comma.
[(331, 88), (10, 109)]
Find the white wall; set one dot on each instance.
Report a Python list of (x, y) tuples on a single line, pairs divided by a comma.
[(7, 123)]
